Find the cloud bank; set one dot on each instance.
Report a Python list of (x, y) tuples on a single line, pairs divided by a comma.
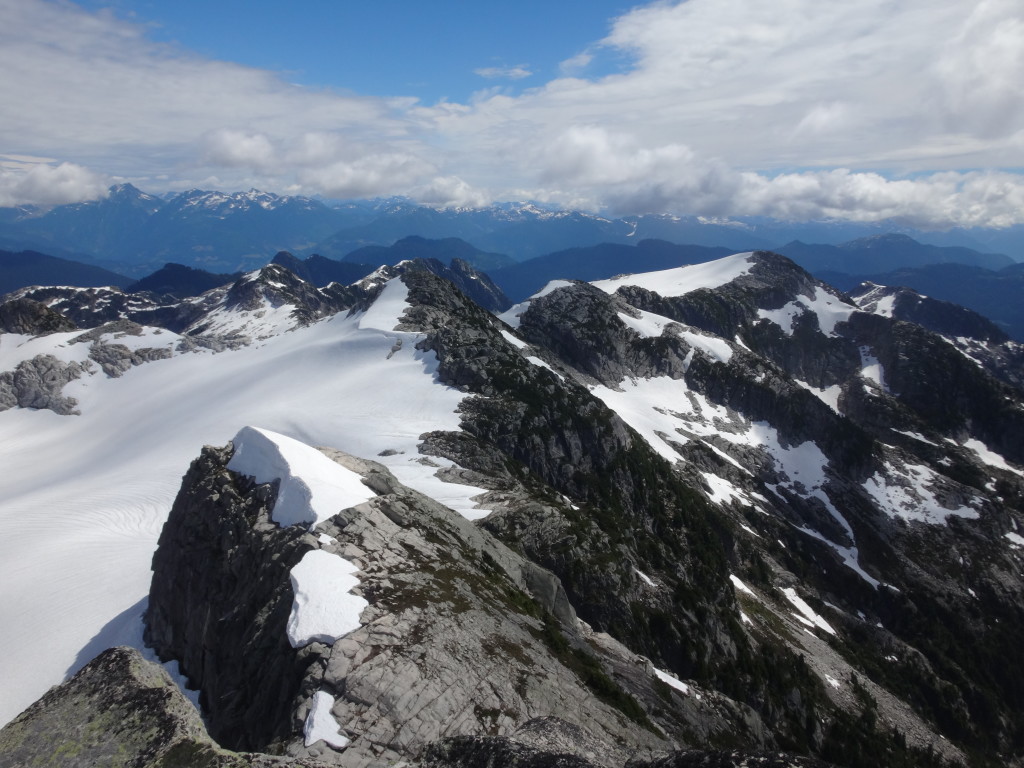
[(800, 110)]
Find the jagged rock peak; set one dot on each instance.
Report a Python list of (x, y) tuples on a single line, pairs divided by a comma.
[(32, 318), (942, 317)]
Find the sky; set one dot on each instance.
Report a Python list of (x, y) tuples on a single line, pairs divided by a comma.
[(798, 109)]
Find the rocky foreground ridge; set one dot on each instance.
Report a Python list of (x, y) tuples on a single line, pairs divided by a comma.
[(732, 513)]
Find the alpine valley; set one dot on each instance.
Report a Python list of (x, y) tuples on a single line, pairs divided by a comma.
[(719, 514)]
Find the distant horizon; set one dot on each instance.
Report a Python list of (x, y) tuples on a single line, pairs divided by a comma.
[(891, 225)]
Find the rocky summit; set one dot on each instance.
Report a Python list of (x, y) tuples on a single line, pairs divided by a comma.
[(719, 515)]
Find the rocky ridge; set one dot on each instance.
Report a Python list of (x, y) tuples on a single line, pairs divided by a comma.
[(461, 635)]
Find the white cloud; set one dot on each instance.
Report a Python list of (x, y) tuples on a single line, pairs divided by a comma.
[(886, 109), (239, 149), (576, 65), (43, 184), (503, 73), (450, 192), (366, 176)]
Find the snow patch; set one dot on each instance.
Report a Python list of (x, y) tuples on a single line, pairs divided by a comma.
[(672, 680), (908, 493), (323, 609), (989, 456), (320, 723), (807, 613), (830, 311), (515, 342), (722, 491), (871, 369), (646, 579), (313, 488), (386, 311), (740, 586), (541, 364), (829, 395), (916, 436)]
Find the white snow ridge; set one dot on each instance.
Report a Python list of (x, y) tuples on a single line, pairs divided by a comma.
[(313, 488)]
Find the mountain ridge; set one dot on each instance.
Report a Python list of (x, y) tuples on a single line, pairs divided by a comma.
[(733, 470)]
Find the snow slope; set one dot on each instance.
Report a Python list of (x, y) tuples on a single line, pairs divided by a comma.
[(679, 281), (83, 498)]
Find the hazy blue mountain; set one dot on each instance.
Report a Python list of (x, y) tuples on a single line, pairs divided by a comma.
[(998, 295), (135, 233), (25, 268), (416, 247), (138, 233), (181, 281), (321, 271), (883, 253)]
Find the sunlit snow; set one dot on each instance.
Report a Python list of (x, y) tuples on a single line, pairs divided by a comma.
[(830, 310), (313, 488), (906, 491), (323, 608), (320, 724), (871, 368), (807, 613), (672, 680), (989, 456), (682, 280)]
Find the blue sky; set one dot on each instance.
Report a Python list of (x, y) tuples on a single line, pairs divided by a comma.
[(431, 50), (797, 110)]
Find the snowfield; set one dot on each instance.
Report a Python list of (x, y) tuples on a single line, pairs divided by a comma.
[(679, 281), (83, 498)]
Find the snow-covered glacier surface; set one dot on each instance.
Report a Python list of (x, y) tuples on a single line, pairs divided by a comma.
[(83, 498)]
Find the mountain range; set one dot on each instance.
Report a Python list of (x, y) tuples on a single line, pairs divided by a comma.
[(134, 233), (716, 514)]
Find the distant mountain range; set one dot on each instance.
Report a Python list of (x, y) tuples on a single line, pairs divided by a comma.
[(990, 284), (134, 233), (882, 253)]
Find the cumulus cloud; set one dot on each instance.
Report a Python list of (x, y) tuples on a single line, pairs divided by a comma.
[(450, 192), (366, 176), (239, 149), (43, 184)]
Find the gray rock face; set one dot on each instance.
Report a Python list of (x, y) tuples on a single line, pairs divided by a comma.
[(38, 383), (119, 710), (32, 318), (220, 599)]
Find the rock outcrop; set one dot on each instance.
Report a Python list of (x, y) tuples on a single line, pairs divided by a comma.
[(39, 383), (460, 635), (120, 710)]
